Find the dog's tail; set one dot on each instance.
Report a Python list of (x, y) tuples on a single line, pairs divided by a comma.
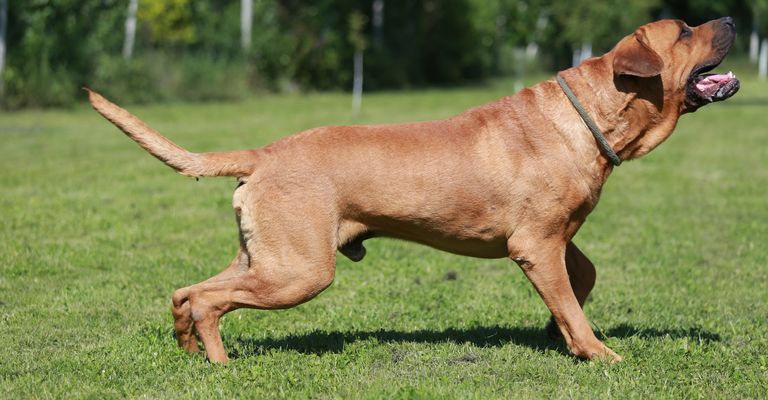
[(234, 163)]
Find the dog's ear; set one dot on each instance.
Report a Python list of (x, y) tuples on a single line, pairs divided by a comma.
[(634, 56)]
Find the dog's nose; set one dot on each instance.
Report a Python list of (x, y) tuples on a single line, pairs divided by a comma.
[(728, 21)]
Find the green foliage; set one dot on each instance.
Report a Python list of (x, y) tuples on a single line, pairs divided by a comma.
[(522, 20), (312, 49), (51, 48), (356, 36), (759, 10), (696, 12), (601, 23), (56, 46), (168, 21), (167, 75), (431, 42), (217, 26)]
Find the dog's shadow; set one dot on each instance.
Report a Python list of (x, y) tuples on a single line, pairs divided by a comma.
[(321, 342)]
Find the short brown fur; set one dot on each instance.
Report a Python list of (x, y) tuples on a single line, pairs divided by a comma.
[(513, 178)]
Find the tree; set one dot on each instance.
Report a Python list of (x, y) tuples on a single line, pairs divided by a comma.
[(246, 23), (519, 24), (356, 37), (758, 52), (130, 29), (3, 24), (377, 20), (588, 24), (169, 21), (52, 47), (762, 65)]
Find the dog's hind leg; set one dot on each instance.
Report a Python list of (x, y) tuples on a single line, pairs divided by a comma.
[(581, 274), (182, 314), (274, 287), (288, 236)]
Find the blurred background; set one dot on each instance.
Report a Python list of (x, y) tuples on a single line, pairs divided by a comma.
[(142, 51)]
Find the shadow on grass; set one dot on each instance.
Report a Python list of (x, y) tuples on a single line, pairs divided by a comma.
[(321, 342)]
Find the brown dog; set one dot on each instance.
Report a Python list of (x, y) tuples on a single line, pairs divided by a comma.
[(514, 178)]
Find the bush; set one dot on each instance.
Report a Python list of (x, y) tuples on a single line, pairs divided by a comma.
[(132, 81), (206, 77), (159, 76), (40, 85)]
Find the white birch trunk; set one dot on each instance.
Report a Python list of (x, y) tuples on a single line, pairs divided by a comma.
[(531, 51), (762, 65), (576, 58), (754, 45), (586, 51), (357, 83), (246, 23), (520, 60), (581, 54), (130, 29), (3, 24)]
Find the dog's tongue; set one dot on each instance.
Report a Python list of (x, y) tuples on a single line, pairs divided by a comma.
[(721, 77), (709, 85)]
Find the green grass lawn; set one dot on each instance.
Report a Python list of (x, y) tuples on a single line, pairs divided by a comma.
[(96, 234)]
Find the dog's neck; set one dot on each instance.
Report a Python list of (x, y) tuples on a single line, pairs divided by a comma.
[(635, 114)]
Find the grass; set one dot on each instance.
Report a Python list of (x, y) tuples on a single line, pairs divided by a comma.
[(96, 234)]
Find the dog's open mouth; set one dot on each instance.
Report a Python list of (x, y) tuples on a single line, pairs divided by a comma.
[(706, 88)]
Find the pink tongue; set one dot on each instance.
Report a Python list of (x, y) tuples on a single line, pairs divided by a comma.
[(711, 83), (719, 77)]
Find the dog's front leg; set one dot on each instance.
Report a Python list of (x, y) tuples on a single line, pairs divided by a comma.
[(581, 274), (544, 265)]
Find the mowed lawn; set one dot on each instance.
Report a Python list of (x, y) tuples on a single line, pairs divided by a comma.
[(96, 234)]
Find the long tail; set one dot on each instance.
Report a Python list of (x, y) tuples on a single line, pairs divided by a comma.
[(233, 163)]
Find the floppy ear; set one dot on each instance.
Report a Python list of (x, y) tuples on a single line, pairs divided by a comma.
[(633, 56)]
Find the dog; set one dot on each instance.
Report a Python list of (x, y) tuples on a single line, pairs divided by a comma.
[(513, 178)]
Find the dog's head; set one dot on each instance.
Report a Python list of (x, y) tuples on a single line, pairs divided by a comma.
[(678, 57)]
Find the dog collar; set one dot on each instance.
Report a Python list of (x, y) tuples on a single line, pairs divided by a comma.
[(606, 148)]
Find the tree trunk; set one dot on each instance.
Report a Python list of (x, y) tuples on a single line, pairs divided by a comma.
[(246, 23), (586, 51), (754, 44), (357, 83), (3, 24), (582, 53), (378, 22), (520, 60), (130, 29), (762, 66)]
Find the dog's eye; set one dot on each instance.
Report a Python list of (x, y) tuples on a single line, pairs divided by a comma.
[(685, 32)]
